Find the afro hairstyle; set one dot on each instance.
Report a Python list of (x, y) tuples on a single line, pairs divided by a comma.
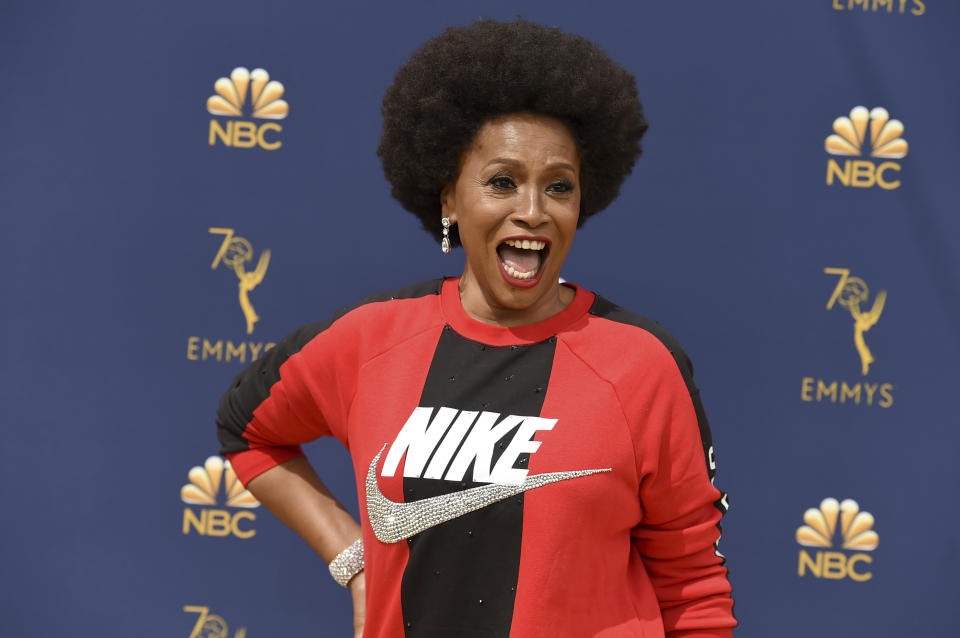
[(466, 76)]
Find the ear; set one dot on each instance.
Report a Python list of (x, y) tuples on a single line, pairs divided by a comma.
[(448, 203)]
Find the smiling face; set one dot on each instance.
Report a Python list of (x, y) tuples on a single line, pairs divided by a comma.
[(516, 203)]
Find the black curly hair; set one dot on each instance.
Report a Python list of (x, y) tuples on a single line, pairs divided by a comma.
[(469, 75)]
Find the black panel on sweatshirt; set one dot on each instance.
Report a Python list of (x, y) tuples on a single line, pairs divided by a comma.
[(461, 578)]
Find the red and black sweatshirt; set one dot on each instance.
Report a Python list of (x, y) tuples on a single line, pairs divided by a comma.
[(432, 403)]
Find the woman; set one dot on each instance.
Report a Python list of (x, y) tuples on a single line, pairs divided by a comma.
[(531, 459)]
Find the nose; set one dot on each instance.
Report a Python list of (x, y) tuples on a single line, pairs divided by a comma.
[(530, 210)]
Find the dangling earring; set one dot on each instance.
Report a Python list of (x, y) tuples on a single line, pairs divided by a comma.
[(445, 242)]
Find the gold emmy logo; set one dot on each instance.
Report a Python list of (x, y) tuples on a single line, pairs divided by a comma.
[(852, 293), (265, 103), (234, 252), (210, 625), (848, 139), (917, 7), (856, 535), (203, 489)]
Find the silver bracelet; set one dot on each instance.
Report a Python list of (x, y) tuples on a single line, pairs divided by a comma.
[(348, 563)]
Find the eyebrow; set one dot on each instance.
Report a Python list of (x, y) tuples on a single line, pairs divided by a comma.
[(513, 162)]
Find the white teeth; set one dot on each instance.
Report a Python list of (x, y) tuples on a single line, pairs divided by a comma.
[(527, 244), (516, 274)]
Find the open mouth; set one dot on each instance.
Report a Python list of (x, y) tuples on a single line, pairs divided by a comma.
[(522, 259)]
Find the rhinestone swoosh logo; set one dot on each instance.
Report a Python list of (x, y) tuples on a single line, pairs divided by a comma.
[(393, 522)]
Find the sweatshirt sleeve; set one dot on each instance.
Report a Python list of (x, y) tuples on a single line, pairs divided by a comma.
[(296, 392), (678, 535)]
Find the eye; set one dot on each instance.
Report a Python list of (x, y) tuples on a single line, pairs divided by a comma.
[(561, 186), (502, 182)]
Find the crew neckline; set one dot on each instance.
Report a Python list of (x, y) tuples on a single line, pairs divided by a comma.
[(457, 318)]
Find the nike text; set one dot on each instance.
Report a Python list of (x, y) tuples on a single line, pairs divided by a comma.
[(431, 444)]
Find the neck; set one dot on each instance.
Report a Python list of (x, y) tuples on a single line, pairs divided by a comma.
[(519, 310)]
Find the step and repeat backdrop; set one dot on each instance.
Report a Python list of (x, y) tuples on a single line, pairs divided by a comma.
[(182, 184)]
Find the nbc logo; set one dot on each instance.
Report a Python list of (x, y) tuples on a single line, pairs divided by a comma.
[(848, 139), (856, 535), (230, 100), (203, 489)]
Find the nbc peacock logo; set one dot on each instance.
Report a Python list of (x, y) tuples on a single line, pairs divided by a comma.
[(851, 133), (203, 490), (265, 103), (856, 536)]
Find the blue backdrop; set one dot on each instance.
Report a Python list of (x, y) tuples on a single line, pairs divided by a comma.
[(818, 293)]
